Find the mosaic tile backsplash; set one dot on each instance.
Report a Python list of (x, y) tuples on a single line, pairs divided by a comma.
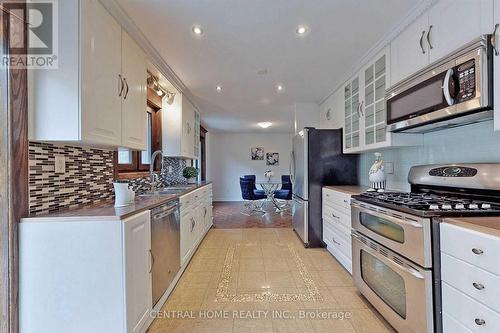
[(88, 178)]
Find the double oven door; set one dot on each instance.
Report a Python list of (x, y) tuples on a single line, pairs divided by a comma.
[(400, 290), (408, 235), (392, 265)]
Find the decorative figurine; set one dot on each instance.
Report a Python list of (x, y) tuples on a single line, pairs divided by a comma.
[(377, 175)]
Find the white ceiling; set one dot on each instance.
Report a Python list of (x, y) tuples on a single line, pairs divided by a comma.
[(242, 37)]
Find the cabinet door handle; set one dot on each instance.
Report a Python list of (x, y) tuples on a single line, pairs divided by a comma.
[(477, 251), (335, 216), (120, 85), (126, 91), (479, 322), (493, 40), (193, 223), (361, 108), (205, 215), (421, 42), (152, 261), (333, 239), (478, 286), (429, 37)]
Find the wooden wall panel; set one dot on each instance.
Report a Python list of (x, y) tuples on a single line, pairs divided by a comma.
[(13, 170)]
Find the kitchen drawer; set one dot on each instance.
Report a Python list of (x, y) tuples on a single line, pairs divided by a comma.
[(337, 216), (462, 275), (337, 241), (337, 228), (469, 312), (340, 199), (340, 256), (479, 249), (451, 325)]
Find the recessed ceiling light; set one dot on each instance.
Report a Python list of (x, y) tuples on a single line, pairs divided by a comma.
[(197, 30), (218, 88), (280, 87), (265, 124), (301, 30)]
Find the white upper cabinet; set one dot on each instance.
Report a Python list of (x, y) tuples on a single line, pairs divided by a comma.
[(444, 28), (181, 138), (97, 95), (332, 111), (100, 66), (352, 115), (453, 23), (365, 110), (496, 66), (134, 72), (409, 51)]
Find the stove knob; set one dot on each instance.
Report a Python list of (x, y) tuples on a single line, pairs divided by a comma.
[(435, 207), (446, 206), (486, 206), (459, 206), (473, 206)]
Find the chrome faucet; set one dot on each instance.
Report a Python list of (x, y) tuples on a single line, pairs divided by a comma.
[(153, 177)]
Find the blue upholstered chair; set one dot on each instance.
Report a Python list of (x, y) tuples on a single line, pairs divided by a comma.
[(253, 200), (285, 193), (253, 178)]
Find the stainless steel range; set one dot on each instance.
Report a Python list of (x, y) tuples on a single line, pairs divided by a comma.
[(395, 239)]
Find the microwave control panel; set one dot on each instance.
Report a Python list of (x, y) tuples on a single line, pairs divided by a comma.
[(466, 77)]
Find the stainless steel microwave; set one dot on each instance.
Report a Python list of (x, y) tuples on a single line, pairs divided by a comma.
[(455, 91)]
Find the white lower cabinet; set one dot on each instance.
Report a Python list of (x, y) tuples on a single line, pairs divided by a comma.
[(137, 243), (470, 278), (196, 220), (337, 226), (88, 275)]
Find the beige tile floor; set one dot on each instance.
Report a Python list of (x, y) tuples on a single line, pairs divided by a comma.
[(264, 280)]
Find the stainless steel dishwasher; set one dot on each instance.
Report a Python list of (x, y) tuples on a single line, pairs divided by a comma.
[(165, 247)]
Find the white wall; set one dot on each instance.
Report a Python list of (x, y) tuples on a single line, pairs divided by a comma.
[(306, 115), (229, 159)]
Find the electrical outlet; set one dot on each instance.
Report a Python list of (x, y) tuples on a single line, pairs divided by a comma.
[(60, 164), (389, 168), (170, 169)]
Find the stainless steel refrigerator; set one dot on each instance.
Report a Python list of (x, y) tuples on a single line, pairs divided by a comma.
[(316, 161)]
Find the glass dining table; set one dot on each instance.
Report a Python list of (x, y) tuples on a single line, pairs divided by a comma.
[(269, 187)]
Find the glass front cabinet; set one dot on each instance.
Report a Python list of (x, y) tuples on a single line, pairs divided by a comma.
[(365, 109)]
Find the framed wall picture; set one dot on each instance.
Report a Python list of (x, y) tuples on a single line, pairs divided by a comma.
[(272, 159), (257, 153)]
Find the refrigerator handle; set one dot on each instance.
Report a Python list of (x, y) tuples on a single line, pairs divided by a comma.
[(291, 167)]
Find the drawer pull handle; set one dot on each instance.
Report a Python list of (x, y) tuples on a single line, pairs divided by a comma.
[(477, 251), (333, 239), (335, 216), (478, 286), (479, 322), (346, 201)]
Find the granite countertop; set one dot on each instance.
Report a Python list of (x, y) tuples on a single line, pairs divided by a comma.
[(349, 189), (106, 211), (489, 224)]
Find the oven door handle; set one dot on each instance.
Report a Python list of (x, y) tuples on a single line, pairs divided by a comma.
[(384, 259), (446, 87), (390, 218)]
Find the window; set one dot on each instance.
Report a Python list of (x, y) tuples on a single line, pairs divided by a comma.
[(132, 162)]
